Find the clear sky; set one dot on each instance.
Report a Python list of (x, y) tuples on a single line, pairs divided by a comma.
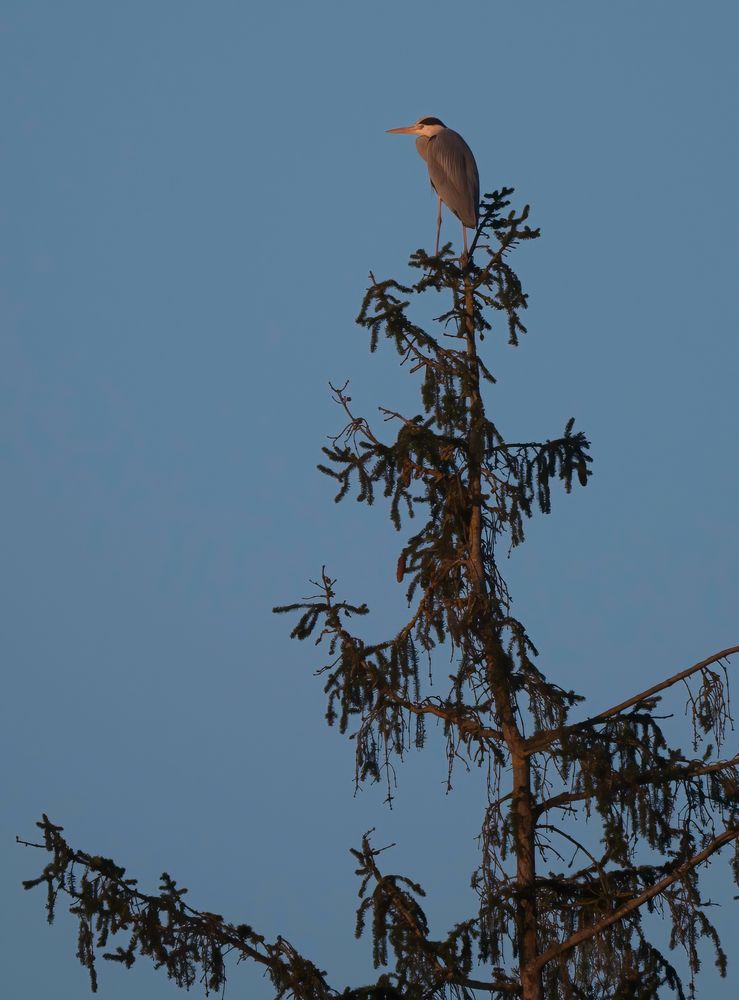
[(192, 196)]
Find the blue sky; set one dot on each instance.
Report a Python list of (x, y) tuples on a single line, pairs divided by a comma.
[(193, 196)]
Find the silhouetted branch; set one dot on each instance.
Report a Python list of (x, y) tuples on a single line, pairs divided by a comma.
[(162, 926)]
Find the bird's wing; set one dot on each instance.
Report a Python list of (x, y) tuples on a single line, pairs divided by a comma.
[(453, 173)]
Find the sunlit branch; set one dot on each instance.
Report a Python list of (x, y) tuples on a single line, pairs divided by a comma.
[(633, 904), (503, 986), (541, 740), (467, 727)]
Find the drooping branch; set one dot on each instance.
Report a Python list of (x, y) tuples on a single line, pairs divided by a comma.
[(188, 943), (396, 913), (544, 739), (450, 468), (397, 917), (633, 904), (655, 776)]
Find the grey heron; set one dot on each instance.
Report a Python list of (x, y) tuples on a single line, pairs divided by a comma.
[(452, 171)]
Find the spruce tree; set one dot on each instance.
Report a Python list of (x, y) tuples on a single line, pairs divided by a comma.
[(463, 492)]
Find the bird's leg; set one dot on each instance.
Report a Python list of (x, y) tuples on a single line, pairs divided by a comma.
[(464, 237), (438, 230)]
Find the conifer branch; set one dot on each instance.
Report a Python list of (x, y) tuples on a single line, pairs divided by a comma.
[(450, 467), (663, 774), (163, 927), (407, 909), (633, 904), (541, 740), (392, 893), (456, 715), (501, 986)]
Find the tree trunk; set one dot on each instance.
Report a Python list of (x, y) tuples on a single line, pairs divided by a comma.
[(525, 876), (498, 669)]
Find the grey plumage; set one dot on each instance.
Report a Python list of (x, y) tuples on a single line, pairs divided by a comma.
[(453, 174), (452, 170)]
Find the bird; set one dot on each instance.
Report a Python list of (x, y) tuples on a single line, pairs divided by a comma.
[(452, 171)]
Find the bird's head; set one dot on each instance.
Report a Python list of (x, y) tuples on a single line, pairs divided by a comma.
[(427, 127)]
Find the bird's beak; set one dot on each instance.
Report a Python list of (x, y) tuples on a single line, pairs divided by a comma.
[(406, 130)]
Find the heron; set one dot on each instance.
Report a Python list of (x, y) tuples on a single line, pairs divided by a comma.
[(452, 171)]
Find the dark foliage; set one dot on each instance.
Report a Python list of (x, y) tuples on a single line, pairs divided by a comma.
[(461, 489)]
